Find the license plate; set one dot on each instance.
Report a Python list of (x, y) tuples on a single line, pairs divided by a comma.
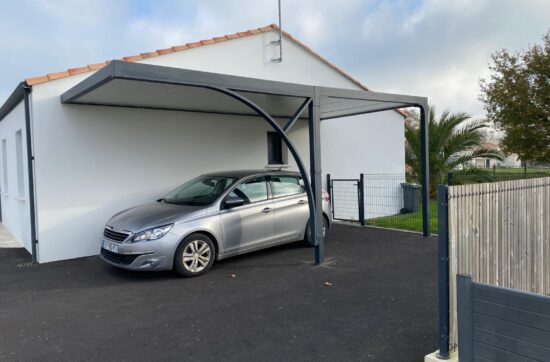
[(107, 245)]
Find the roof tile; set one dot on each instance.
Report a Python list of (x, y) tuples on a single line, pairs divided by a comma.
[(37, 80), (149, 55), (178, 48), (58, 75), (96, 66), (207, 41), (165, 51), (194, 45), (74, 71), (132, 58)]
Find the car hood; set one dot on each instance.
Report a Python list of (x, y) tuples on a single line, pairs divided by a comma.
[(153, 214)]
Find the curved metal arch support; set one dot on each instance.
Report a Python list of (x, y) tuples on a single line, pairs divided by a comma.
[(263, 114)]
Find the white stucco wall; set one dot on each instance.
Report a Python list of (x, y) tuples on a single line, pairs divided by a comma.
[(373, 144), (94, 161), (15, 209)]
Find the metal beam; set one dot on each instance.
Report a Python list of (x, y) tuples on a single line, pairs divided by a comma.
[(296, 115), (316, 218), (30, 171), (13, 100), (424, 143)]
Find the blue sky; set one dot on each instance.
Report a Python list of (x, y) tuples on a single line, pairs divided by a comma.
[(435, 48)]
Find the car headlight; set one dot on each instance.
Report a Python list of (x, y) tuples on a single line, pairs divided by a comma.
[(152, 234)]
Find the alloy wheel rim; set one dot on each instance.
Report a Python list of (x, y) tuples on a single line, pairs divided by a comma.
[(196, 256)]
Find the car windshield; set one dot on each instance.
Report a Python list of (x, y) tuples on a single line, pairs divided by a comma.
[(199, 191)]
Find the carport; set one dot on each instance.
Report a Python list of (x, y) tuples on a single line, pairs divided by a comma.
[(124, 84)]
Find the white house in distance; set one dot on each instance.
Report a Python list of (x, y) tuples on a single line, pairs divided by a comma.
[(93, 161)]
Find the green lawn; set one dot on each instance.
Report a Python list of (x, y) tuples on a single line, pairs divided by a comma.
[(411, 221)]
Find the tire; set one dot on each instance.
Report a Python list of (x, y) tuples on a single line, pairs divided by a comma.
[(194, 256), (308, 230)]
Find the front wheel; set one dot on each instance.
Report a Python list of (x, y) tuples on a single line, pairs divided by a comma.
[(194, 256), (308, 230)]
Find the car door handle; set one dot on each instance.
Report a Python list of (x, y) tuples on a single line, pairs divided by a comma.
[(301, 202), (267, 210)]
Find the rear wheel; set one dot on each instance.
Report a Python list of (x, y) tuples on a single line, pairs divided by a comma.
[(308, 230), (194, 256)]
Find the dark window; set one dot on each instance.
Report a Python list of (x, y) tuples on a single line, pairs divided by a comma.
[(286, 185), (274, 149), (199, 191), (251, 191)]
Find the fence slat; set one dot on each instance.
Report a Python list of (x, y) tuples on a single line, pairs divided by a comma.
[(499, 233)]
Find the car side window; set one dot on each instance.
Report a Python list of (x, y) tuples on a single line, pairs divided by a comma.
[(286, 185), (251, 191)]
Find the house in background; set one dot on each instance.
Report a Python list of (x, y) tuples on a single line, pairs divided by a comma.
[(511, 160), (91, 161)]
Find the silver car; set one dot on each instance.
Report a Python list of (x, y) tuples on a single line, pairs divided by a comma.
[(211, 217)]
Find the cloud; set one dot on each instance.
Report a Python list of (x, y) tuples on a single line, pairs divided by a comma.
[(435, 48)]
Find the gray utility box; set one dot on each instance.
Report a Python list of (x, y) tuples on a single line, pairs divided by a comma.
[(411, 197)]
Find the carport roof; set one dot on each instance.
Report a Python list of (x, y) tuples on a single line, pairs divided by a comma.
[(138, 85)]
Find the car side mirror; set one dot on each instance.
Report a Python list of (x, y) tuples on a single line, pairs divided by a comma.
[(233, 202)]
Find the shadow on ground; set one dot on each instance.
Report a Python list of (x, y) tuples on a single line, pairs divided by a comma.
[(382, 305)]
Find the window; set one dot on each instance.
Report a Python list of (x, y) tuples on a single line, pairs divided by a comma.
[(199, 191), (5, 166), (286, 185), (274, 149), (19, 156), (251, 191)]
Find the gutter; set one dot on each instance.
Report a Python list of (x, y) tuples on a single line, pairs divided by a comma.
[(30, 168)]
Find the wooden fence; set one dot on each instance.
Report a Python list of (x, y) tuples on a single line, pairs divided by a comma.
[(499, 233)]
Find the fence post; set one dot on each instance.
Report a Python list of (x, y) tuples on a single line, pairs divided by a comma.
[(329, 190), (443, 242), (362, 199)]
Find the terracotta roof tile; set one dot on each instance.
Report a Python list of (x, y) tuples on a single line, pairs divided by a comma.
[(207, 41), (74, 71), (232, 36), (96, 66), (37, 80), (165, 51), (219, 39), (53, 76), (133, 58), (194, 45), (149, 55), (178, 48)]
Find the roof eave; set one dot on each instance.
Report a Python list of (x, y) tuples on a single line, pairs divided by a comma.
[(13, 100)]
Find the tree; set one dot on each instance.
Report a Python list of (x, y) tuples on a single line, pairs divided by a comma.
[(454, 141), (517, 100)]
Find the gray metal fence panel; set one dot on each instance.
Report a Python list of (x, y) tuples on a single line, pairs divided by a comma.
[(500, 324)]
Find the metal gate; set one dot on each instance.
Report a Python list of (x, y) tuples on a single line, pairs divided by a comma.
[(345, 198)]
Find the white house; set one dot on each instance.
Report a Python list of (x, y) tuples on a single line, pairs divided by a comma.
[(92, 161)]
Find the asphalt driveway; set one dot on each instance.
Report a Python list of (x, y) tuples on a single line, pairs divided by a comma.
[(380, 303)]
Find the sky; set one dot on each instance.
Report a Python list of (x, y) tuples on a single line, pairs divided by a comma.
[(434, 48)]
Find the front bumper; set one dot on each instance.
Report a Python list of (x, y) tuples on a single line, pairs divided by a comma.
[(150, 255)]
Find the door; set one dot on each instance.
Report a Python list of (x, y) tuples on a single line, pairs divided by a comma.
[(291, 208), (251, 224)]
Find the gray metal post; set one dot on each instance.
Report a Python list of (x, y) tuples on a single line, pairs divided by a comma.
[(443, 242), (424, 122), (30, 172), (315, 173), (362, 199), (465, 318)]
